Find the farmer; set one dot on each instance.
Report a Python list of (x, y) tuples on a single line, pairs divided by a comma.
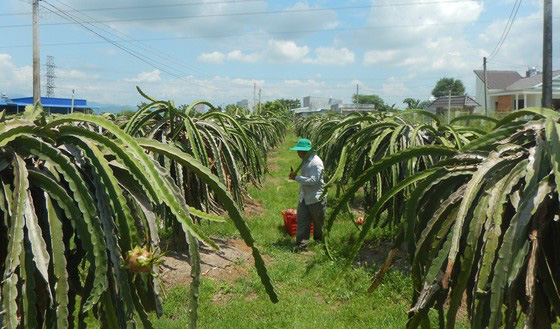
[(311, 208)]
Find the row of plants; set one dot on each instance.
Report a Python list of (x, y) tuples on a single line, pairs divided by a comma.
[(477, 211), (84, 199)]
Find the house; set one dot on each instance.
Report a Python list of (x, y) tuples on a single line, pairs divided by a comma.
[(306, 111), (50, 105), (351, 108), (456, 103), (315, 105), (246, 104), (200, 108), (320, 102), (509, 91)]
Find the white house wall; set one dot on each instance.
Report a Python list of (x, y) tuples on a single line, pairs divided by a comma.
[(480, 98), (492, 100), (533, 101)]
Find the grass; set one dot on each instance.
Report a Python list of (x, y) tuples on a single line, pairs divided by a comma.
[(314, 291)]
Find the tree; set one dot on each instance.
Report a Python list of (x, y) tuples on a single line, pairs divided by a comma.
[(444, 85), (424, 105), (234, 109), (371, 99), (412, 103), (289, 103)]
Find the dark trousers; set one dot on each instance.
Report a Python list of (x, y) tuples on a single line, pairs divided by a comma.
[(307, 214)]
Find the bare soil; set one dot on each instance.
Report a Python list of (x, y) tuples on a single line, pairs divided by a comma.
[(375, 256), (273, 167), (226, 264), (252, 208)]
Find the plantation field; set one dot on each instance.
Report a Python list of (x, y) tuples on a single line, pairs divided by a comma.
[(313, 290), (459, 227)]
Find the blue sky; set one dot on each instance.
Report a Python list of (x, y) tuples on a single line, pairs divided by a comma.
[(218, 49)]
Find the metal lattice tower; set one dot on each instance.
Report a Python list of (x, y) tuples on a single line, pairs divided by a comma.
[(50, 76)]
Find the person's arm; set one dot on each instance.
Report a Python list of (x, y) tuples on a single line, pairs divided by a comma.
[(316, 170)]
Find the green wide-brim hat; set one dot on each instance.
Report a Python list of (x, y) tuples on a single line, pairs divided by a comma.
[(302, 145)]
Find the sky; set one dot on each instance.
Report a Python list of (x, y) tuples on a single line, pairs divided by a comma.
[(218, 50)]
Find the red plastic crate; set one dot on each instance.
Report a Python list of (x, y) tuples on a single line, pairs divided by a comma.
[(290, 223)]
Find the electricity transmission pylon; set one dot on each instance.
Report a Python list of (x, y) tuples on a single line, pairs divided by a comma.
[(50, 76)]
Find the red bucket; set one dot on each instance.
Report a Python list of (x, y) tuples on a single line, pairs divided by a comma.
[(290, 223)]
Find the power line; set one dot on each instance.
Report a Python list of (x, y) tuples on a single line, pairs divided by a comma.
[(267, 33), (288, 11), (147, 6), (507, 28), (125, 49), (141, 45), (258, 13)]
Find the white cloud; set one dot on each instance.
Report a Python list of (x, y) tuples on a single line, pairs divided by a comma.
[(421, 27), (206, 17), (239, 56), (303, 83), (332, 56), (214, 57), (300, 21), (430, 39), (209, 17), (379, 56), (15, 79), (246, 82), (394, 87), (64, 73), (523, 47), (151, 76), (285, 51)]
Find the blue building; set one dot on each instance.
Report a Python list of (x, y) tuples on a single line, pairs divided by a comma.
[(50, 105)]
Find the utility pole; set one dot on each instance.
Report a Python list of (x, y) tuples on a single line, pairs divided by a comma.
[(449, 107), (36, 58), (72, 108), (254, 95), (259, 100), (485, 88), (357, 95), (547, 55)]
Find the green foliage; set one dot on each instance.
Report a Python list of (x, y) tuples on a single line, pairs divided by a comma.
[(352, 147), (126, 113), (309, 281), (424, 105), (280, 107), (412, 103), (446, 85), (492, 238), (371, 99), (78, 192), (236, 110), (478, 216), (69, 222), (289, 104)]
